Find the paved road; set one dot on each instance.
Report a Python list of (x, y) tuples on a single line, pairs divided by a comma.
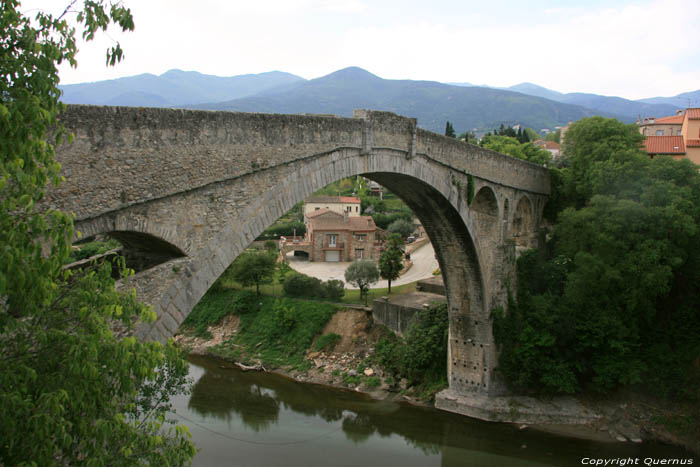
[(424, 263)]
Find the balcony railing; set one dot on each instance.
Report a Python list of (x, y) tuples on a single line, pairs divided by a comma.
[(333, 246)]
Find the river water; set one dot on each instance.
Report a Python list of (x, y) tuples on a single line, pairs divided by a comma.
[(260, 419)]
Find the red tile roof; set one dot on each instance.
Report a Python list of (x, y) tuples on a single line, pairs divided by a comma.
[(672, 120), (318, 212), (664, 145), (693, 114), (350, 199), (693, 143), (355, 224)]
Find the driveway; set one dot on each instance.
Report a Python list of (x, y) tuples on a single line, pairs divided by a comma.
[(424, 263)]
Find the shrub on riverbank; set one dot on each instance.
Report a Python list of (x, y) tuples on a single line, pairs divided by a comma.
[(420, 357)]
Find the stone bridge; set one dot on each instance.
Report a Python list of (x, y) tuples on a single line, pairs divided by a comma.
[(190, 190)]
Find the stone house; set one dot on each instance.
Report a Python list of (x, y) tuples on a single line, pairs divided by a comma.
[(336, 237)]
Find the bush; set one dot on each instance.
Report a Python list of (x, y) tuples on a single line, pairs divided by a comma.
[(420, 357), (334, 289), (301, 285), (327, 342)]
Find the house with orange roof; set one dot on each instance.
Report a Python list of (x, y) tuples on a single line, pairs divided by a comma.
[(337, 237), (677, 135)]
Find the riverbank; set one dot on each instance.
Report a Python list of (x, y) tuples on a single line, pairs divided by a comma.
[(348, 365)]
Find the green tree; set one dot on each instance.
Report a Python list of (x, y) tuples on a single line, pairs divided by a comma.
[(362, 273), (609, 302), (253, 268), (71, 391), (402, 226), (511, 146), (449, 130), (391, 260), (553, 136), (590, 145)]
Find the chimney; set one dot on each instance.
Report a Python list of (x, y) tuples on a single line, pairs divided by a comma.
[(346, 216), (369, 222)]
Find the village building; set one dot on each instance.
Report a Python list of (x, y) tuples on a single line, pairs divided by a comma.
[(677, 136), (336, 232), (551, 146)]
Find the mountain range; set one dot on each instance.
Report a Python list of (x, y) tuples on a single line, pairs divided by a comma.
[(466, 106)]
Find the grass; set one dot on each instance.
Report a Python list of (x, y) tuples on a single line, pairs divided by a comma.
[(274, 331), (351, 296)]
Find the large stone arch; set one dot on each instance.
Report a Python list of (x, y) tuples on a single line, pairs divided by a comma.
[(437, 195)]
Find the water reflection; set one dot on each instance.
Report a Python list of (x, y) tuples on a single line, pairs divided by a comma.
[(294, 413)]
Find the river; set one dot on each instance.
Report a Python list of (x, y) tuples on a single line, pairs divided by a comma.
[(260, 419)]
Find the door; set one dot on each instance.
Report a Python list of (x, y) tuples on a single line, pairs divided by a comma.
[(332, 256)]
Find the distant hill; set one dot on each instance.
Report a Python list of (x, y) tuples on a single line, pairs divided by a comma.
[(465, 105), (535, 90), (631, 110), (681, 101), (432, 103), (173, 88)]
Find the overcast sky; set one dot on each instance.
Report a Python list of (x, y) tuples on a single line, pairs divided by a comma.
[(632, 49)]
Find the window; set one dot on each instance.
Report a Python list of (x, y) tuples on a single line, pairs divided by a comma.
[(357, 209), (332, 240), (358, 253), (361, 237), (317, 209), (659, 132)]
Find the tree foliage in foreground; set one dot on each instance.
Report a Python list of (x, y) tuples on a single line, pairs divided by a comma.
[(71, 392), (613, 301)]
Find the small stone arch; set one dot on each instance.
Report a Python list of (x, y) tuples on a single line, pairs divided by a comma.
[(485, 206), (142, 250), (523, 223)]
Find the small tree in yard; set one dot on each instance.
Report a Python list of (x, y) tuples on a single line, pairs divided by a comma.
[(391, 261), (253, 268), (362, 274)]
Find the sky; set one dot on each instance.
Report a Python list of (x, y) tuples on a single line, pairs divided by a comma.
[(632, 49)]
